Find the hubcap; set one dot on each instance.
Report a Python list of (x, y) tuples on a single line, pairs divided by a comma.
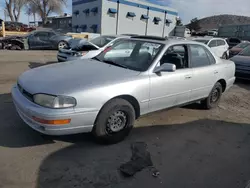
[(215, 95), (116, 122), (62, 45)]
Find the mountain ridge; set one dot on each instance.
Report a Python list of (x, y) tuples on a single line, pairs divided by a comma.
[(213, 22)]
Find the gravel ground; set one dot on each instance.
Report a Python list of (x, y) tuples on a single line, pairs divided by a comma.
[(189, 146)]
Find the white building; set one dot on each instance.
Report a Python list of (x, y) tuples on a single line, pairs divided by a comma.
[(122, 17)]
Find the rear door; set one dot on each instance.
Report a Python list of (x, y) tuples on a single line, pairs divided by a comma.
[(222, 47), (213, 45), (205, 71)]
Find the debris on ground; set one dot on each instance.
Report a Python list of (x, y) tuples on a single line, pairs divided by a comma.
[(12, 43), (140, 159), (155, 173)]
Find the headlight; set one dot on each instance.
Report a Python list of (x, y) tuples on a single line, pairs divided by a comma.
[(52, 101), (78, 54)]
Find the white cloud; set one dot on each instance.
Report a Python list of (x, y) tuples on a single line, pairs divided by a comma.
[(189, 9)]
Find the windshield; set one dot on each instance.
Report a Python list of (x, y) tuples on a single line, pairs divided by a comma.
[(131, 54), (202, 41), (102, 41), (245, 52), (242, 45)]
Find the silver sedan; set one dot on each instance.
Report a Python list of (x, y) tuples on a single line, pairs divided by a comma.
[(105, 95)]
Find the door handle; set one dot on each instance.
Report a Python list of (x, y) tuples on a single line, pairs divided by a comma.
[(188, 76), (216, 72)]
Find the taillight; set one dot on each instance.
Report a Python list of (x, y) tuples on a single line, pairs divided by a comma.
[(106, 49)]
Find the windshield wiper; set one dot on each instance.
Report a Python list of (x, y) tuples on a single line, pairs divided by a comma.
[(114, 63)]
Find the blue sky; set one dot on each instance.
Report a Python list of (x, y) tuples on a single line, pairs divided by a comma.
[(187, 9)]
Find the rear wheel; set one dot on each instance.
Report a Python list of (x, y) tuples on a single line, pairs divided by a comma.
[(213, 99), (114, 122)]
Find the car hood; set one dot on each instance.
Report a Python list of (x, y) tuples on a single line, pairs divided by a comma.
[(241, 59), (68, 77)]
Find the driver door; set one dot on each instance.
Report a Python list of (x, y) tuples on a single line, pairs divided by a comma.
[(40, 40), (168, 89)]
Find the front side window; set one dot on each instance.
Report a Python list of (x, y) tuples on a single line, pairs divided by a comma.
[(177, 55), (199, 56), (102, 41), (42, 35), (138, 57)]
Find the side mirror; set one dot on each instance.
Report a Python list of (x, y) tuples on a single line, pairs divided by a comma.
[(165, 67)]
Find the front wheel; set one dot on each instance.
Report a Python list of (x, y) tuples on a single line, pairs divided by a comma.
[(213, 99), (114, 122), (62, 44)]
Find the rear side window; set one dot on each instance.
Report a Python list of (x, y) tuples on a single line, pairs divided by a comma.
[(212, 43), (221, 43), (199, 56)]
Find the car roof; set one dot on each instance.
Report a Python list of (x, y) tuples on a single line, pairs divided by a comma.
[(167, 41), (116, 36), (207, 38)]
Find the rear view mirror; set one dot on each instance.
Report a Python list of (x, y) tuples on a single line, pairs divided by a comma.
[(165, 67)]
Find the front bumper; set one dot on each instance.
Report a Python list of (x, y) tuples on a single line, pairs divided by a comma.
[(62, 57), (81, 121)]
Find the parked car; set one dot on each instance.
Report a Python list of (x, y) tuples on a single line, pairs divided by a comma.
[(218, 45), (233, 42), (238, 48), (36, 40), (47, 40), (105, 95), (82, 49), (242, 62)]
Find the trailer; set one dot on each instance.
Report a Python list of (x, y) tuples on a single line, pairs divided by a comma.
[(235, 31), (181, 31)]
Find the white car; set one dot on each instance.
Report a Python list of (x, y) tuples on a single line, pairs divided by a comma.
[(82, 49), (218, 45)]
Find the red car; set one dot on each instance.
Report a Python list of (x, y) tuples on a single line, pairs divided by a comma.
[(238, 48)]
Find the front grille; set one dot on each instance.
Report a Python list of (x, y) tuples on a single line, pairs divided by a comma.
[(25, 93)]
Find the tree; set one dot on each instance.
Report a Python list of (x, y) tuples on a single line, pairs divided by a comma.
[(179, 22), (194, 24), (46, 7), (30, 9), (14, 8)]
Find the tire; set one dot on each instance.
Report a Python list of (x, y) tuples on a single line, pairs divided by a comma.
[(62, 44), (111, 131), (214, 97), (225, 56)]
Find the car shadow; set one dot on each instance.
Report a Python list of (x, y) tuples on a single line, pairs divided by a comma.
[(14, 133), (194, 106), (33, 65), (203, 153)]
